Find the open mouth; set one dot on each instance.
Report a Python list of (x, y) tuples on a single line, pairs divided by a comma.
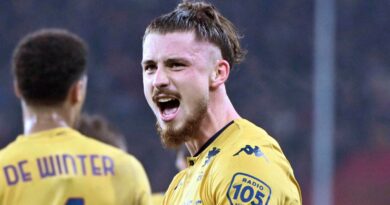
[(168, 107)]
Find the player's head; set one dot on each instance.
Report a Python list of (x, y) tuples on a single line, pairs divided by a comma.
[(187, 56), (49, 68), (97, 127), (207, 23)]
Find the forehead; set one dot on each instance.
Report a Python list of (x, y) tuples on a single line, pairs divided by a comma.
[(176, 44)]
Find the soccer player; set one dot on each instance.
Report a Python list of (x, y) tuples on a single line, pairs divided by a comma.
[(51, 163), (187, 57)]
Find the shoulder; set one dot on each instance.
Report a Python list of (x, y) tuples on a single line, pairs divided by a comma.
[(249, 141), (106, 149), (6, 156), (124, 162), (251, 150), (8, 151), (176, 182), (252, 160), (248, 131)]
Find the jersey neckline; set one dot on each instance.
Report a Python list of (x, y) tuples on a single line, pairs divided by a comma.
[(212, 139), (55, 132)]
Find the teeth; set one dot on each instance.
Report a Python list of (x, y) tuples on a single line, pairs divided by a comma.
[(163, 100)]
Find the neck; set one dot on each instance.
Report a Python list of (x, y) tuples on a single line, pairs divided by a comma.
[(41, 119), (219, 113)]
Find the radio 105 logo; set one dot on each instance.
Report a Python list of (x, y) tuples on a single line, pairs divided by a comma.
[(246, 189)]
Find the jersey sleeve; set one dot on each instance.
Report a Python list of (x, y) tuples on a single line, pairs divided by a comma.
[(254, 175)]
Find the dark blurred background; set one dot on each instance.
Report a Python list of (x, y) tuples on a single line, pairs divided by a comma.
[(273, 87)]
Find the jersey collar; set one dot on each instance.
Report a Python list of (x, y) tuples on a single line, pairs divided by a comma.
[(211, 140), (56, 132)]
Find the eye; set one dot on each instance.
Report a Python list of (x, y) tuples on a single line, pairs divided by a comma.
[(149, 68), (177, 66)]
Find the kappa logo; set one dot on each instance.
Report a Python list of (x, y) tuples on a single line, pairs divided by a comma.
[(211, 154), (249, 150)]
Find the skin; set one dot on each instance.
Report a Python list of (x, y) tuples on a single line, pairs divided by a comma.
[(177, 65), (180, 162), (41, 118)]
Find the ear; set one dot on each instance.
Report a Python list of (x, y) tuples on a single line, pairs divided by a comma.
[(77, 91), (17, 90), (220, 74)]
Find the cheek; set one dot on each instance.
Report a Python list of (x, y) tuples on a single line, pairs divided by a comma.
[(194, 84), (196, 95)]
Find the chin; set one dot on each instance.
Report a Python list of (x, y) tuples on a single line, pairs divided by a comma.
[(172, 136)]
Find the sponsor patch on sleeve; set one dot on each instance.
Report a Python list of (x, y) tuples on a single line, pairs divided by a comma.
[(247, 189)]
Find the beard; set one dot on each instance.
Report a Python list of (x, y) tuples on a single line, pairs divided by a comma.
[(174, 137)]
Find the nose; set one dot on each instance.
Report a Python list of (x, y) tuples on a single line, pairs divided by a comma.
[(160, 78)]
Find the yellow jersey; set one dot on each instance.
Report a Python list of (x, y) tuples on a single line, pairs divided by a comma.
[(63, 167), (157, 198), (241, 164)]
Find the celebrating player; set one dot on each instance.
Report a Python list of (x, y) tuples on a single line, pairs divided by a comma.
[(187, 57), (51, 163)]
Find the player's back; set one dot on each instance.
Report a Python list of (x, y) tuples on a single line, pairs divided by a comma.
[(63, 167)]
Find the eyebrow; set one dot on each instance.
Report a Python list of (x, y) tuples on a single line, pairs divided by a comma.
[(147, 62), (167, 61), (175, 60)]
